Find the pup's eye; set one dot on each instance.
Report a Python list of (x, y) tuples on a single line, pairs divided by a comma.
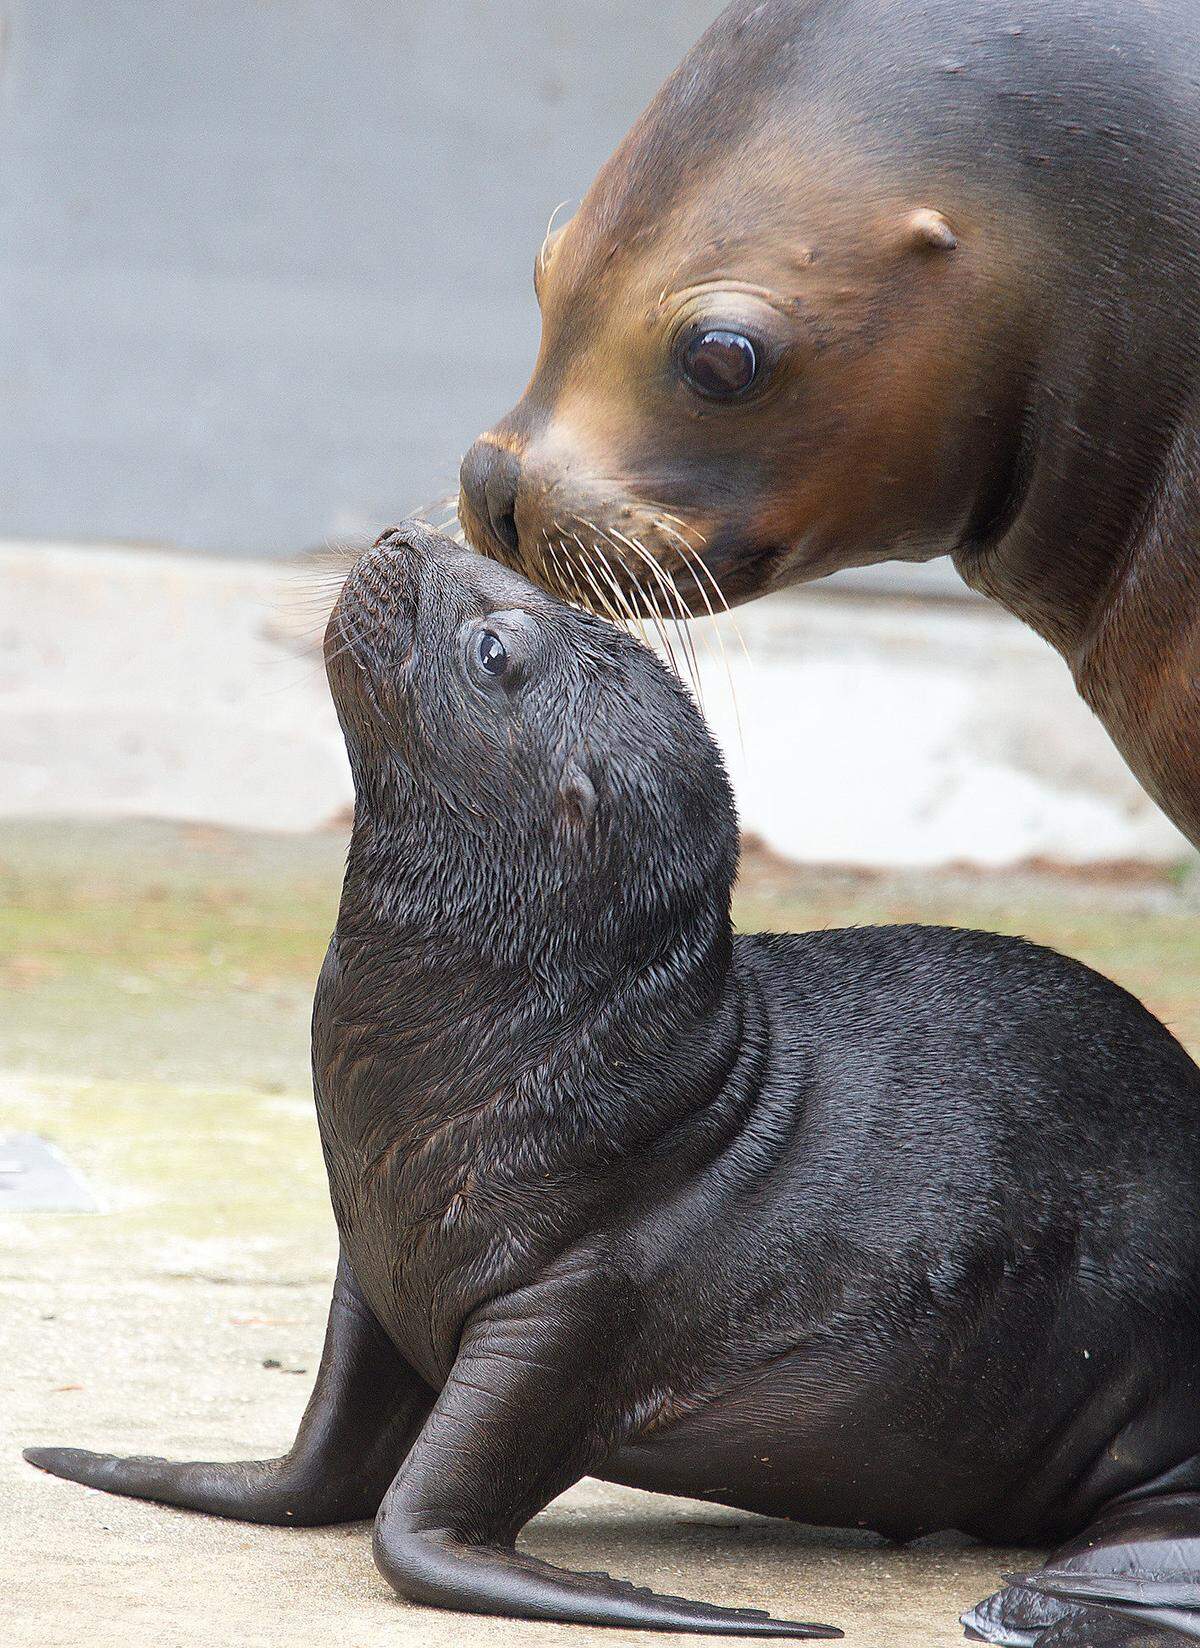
[(721, 365), (491, 653)]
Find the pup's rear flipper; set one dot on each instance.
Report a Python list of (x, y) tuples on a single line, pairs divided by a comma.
[(1131, 1580), (1095, 1628)]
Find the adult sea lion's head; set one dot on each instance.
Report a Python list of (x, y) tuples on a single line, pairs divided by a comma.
[(779, 337), (525, 773)]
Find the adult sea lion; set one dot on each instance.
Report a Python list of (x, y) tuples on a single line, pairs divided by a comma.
[(887, 280), (893, 1227)]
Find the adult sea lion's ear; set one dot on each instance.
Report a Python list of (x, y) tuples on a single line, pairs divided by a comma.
[(577, 792), (929, 229)]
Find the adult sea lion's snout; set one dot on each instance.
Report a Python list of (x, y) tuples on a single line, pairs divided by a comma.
[(542, 493)]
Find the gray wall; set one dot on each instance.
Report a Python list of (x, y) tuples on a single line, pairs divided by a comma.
[(265, 264)]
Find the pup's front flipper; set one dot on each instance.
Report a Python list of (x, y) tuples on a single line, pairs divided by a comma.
[(532, 1403), (365, 1408), (1131, 1580)]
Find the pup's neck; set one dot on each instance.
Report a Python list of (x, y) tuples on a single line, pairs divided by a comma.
[(587, 1042)]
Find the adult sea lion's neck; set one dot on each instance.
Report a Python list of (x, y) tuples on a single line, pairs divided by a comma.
[(1106, 567)]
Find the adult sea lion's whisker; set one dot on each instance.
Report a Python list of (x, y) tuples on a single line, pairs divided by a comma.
[(696, 564), (674, 599), (726, 666), (559, 578), (617, 605), (605, 607), (695, 559), (685, 622), (659, 618), (716, 629), (652, 605), (632, 616), (660, 575), (543, 544), (612, 610), (576, 562), (569, 557), (649, 599), (602, 537), (666, 515), (568, 577)]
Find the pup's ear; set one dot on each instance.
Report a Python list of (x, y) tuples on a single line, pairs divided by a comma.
[(577, 792)]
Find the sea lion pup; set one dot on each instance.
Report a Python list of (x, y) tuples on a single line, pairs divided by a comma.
[(888, 280), (894, 1227)]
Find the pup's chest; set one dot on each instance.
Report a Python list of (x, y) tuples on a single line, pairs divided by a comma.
[(433, 1225), (449, 1180)]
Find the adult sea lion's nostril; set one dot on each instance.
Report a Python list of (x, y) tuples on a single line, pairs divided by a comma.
[(489, 478)]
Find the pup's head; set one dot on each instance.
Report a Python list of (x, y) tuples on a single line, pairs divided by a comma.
[(524, 770)]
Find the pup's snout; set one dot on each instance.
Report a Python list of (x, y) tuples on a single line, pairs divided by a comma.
[(380, 591)]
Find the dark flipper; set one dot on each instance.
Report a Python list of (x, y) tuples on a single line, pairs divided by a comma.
[(531, 1405), (1014, 1617), (1131, 1579), (365, 1408), (1094, 1628), (443, 1571)]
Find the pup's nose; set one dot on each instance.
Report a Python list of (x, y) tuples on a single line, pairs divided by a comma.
[(393, 538), (396, 557), (392, 556), (489, 479)]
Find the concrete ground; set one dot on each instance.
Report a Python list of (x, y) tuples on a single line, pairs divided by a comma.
[(154, 995)]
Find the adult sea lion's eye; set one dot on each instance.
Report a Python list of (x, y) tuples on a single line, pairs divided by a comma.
[(491, 653), (720, 364)]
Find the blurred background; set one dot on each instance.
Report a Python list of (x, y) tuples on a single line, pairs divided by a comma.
[(265, 271), (267, 263)]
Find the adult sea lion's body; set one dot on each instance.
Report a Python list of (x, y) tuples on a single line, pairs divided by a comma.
[(892, 279), (890, 1227)]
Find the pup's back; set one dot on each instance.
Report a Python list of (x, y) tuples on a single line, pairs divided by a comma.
[(993, 1070)]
